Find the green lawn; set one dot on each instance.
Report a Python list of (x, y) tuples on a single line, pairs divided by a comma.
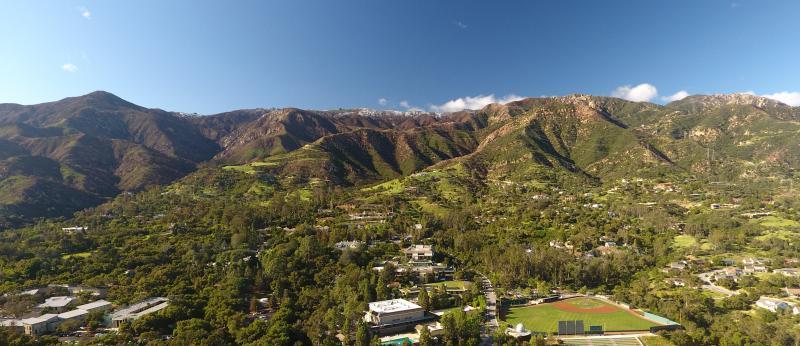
[(684, 241), (545, 317), (452, 284), (776, 222)]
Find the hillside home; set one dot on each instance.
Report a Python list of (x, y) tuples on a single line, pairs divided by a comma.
[(775, 305), (788, 272), (419, 252)]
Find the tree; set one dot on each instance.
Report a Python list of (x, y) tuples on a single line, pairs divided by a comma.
[(362, 334), (423, 300), (425, 337)]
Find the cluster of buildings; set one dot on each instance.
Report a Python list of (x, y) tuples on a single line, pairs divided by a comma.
[(61, 310)]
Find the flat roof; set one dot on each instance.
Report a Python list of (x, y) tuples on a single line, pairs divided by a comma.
[(40, 319), (142, 307), (72, 313), (94, 304), (57, 302), (393, 305)]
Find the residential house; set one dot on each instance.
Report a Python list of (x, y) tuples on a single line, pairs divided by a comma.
[(788, 272), (419, 252), (775, 305)]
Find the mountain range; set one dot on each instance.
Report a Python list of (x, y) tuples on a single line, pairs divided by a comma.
[(60, 157)]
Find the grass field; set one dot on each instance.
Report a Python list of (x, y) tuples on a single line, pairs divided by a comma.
[(452, 284), (545, 317)]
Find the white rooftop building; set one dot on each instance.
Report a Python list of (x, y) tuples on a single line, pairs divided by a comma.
[(100, 305), (57, 303), (394, 311), (775, 305), (419, 252), (137, 310)]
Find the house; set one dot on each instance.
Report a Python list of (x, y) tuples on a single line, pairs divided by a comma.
[(40, 325), (344, 245), (755, 261), (419, 252), (677, 266), (58, 304), (775, 305), (788, 272), (75, 229), (137, 310), (678, 282), (757, 268), (395, 315)]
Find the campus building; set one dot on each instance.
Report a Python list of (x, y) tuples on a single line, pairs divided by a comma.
[(395, 315)]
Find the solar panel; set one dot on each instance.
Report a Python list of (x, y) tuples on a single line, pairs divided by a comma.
[(579, 327), (562, 327)]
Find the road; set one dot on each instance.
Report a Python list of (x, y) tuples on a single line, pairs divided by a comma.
[(710, 286), (491, 310)]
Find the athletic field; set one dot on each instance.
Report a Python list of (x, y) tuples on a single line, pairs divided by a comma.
[(594, 312)]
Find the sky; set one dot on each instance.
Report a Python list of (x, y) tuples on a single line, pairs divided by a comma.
[(215, 56)]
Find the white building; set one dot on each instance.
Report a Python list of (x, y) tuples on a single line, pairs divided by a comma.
[(344, 245), (40, 325), (774, 305), (137, 310), (57, 304), (394, 311), (100, 305), (419, 252)]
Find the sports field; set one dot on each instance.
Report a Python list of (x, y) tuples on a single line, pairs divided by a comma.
[(594, 312)]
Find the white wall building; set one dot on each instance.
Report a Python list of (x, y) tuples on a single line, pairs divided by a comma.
[(394, 311)]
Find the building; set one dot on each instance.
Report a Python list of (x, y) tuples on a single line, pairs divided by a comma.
[(775, 305), (100, 305), (77, 315), (137, 310), (344, 245), (40, 325), (395, 315), (788, 272), (419, 252), (75, 229), (57, 304), (519, 332), (12, 324)]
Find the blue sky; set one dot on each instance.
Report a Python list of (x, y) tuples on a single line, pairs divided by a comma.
[(214, 56)]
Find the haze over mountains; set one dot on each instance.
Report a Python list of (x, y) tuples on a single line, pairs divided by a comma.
[(60, 157)]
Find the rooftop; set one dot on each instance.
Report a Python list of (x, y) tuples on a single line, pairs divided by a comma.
[(142, 307), (72, 313), (393, 305), (94, 304), (57, 302), (40, 319)]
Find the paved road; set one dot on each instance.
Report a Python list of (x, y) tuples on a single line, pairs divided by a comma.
[(491, 310), (710, 286)]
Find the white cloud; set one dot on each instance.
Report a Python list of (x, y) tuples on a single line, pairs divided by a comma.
[(787, 97), (382, 101), (680, 95), (409, 107), (641, 93), (460, 24), (473, 102), (69, 67), (85, 13)]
